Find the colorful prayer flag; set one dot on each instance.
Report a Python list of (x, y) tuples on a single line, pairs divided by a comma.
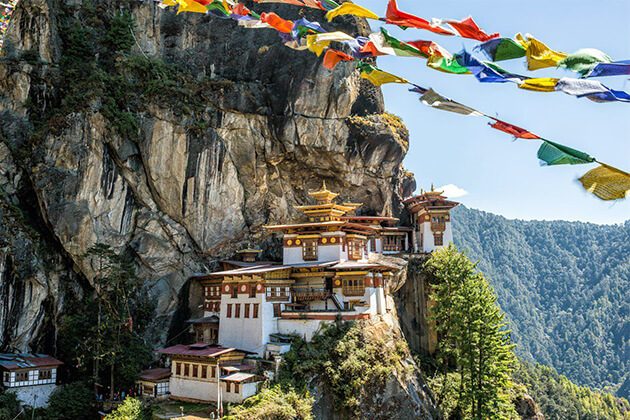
[(190, 6), (500, 49), (317, 43), (351, 9), (539, 56), (583, 61), (606, 182), (376, 76), (395, 16), (467, 28), (446, 65), (276, 22), (518, 132), (580, 87), (435, 100), (541, 84), (333, 57), (556, 154), (616, 68), (483, 72)]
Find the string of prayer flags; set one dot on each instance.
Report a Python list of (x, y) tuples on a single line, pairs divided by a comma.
[(580, 87), (302, 27), (483, 72), (583, 61), (446, 65), (377, 76), (276, 22), (616, 68), (334, 57), (317, 43), (435, 100), (6, 11), (606, 182), (467, 28), (540, 84), (395, 16), (557, 154), (351, 9), (610, 96), (539, 56), (190, 6), (517, 132), (293, 2), (500, 49)]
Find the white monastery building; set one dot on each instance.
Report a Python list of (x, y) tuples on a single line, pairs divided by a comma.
[(32, 377)]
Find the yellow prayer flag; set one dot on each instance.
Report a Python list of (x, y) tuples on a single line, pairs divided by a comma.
[(166, 3), (538, 54), (319, 42), (190, 6), (351, 9), (541, 84), (606, 182), (379, 77)]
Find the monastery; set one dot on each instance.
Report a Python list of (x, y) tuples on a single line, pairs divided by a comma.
[(333, 268)]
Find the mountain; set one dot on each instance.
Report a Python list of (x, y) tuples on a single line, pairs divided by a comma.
[(564, 286)]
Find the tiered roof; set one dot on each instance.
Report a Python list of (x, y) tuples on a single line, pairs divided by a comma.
[(433, 200), (14, 361)]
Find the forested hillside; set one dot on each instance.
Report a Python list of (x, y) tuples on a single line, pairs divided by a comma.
[(564, 286)]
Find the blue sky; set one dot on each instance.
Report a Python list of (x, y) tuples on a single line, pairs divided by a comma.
[(500, 175)]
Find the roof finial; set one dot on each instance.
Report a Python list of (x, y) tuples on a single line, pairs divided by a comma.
[(324, 185), (432, 187)]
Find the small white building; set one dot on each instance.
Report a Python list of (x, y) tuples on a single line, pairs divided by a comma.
[(209, 373), (154, 383), (32, 377), (431, 219)]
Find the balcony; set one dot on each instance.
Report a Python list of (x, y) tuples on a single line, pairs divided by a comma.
[(310, 294), (438, 227)]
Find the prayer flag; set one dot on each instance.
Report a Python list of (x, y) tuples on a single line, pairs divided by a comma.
[(302, 27), (317, 43), (276, 22), (376, 76), (446, 65), (293, 2), (583, 61), (483, 72), (541, 84), (351, 9), (580, 87), (190, 6), (429, 48), (610, 96), (616, 68), (435, 100), (518, 132), (606, 182), (556, 154), (333, 57), (500, 49), (395, 16), (401, 48), (538, 54), (467, 28)]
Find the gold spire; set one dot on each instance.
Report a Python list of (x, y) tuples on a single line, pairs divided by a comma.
[(324, 195)]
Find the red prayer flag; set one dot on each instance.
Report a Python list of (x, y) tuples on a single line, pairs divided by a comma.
[(395, 16), (241, 10), (333, 57), (517, 132), (370, 48), (276, 22), (467, 28), (429, 48)]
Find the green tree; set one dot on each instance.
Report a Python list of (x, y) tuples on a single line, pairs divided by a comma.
[(73, 401), (474, 341), (130, 409), (9, 405), (275, 403)]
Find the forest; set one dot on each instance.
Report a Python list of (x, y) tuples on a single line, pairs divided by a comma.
[(564, 288)]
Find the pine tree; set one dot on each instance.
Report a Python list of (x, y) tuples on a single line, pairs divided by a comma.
[(473, 339)]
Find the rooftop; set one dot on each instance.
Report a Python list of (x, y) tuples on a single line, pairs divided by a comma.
[(14, 361), (155, 374), (197, 349)]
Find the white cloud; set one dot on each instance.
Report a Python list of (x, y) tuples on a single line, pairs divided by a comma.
[(452, 191)]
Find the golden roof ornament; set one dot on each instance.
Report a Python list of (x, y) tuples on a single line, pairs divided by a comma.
[(324, 195)]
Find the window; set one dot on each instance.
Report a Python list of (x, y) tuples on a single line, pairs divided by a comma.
[(186, 369), (276, 310), (355, 251), (7, 377), (237, 310), (252, 290), (229, 310), (353, 286), (246, 310), (255, 310), (217, 307), (236, 388), (228, 386), (213, 372), (178, 368), (234, 291), (392, 243), (195, 370), (21, 376), (438, 239), (45, 374), (309, 250), (204, 371)]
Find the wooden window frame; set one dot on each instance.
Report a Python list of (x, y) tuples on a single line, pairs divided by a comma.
[(255, 310), (276, 310), (438, 239), (21, 376), (246, 311), (234, 292), (229, 311), (353, 286), (310, 249), (237, 310), (178, 368), (236, 388), (355, 250), (45, 374), (252, 291), (186, 369)]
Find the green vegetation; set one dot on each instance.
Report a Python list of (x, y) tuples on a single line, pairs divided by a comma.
[(346, 362), (130, 409), (276, 402), (102, 337), (73, 401), (564, 287), (474, 356), (560, 399), (9, 405)]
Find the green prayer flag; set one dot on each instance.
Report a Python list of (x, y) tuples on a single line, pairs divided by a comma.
[(556, 154), (446, 64), (401, 48), (500, 49), (582, 61)]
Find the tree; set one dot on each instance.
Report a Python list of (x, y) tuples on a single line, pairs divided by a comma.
[(473, 339), (130, 409), (9, 405), (275, 403), (73, 401)]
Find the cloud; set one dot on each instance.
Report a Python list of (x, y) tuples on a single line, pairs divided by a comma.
[(452, 191)]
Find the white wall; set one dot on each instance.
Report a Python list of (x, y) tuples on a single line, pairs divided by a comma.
[(245, 333), (35, 395), (429, 244), (197, 389), (305, 328)]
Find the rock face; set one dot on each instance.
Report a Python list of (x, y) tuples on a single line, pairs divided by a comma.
[(178, 183)]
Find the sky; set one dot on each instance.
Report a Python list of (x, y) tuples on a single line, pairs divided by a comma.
[(487, 169)]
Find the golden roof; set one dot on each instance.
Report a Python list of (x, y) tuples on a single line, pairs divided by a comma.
[(324, 195)]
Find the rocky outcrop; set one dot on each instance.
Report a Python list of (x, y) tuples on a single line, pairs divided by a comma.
[(180, 172)]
